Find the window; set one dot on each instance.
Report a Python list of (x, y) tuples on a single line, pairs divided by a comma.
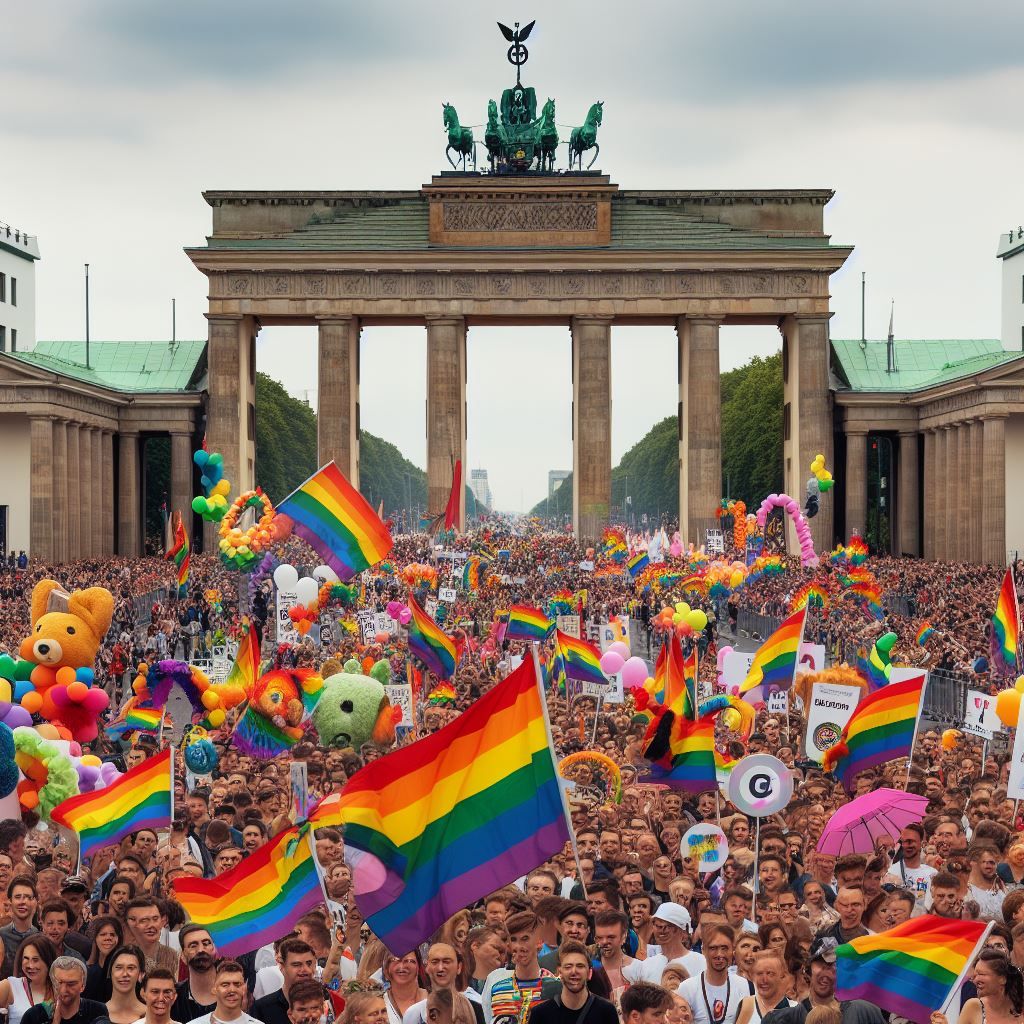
[(3, 339), (252, 422), (785, 420), (14, 291), (14, 339), (3, 287)]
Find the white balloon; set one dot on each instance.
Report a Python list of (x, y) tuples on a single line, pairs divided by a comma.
[(286, 576), (306, 590), (326, 573)]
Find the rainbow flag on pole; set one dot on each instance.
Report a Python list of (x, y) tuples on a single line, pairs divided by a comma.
[(580, 659), (136, 719), (337, 522), (637, 563), (260, 899), (429, 643), (526, 623), (180, 554), (926, 630), (881, 728), (1006, 625), (432, 827), (774, 664), (911, 970), (141, 798)]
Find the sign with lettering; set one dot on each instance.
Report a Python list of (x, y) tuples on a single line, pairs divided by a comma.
[(569, 624), (286, 631), (980, 715), (400, 695), (830, 709), (448, 595)]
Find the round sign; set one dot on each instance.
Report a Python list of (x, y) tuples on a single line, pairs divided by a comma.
[(708, 844), (760, 785)]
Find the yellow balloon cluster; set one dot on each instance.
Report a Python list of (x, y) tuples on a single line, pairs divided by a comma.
[(822, 475)]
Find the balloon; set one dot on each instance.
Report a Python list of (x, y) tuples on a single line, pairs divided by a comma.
[(1019, 685), (722, 652), (949, 738), (611, 662), (1007, 707), (634, 672), (697, 620), (306, 591), (382, 637), (731, 719), (286, 576), (620, 649), (405, 616), (216, 718), (326, 573), (393, 608), (683, 608)]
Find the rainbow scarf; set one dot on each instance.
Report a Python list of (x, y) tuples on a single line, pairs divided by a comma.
[(774, 664), (1006, 625)]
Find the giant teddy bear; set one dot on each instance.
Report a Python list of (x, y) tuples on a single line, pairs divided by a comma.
[(354, 709)]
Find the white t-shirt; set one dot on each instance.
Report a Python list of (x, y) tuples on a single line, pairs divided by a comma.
[(208, 1018), (724, 999), (417, 1013), (915, 880), (653, 967)]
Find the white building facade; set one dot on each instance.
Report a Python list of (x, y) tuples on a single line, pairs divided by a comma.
[(1011, 252), (18, 254)]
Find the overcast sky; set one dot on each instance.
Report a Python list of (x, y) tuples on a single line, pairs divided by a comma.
[(118, 113)]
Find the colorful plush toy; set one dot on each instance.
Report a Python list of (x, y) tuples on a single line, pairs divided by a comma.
[(67, 630), (48, 775), (354, 709), (279, 703)]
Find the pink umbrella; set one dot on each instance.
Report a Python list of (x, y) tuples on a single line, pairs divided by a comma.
[(855, 827)]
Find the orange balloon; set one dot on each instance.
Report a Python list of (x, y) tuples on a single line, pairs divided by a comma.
[(32, 702), (1008, 707), (77, 691), (65, 675)]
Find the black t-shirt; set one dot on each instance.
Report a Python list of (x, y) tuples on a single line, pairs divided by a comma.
[(551, 1011), (272, 1009), (88, 1011), (185, 1007)]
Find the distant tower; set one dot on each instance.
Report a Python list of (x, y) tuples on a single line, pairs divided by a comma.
[(18, 254), (555, 477), (480, 487)]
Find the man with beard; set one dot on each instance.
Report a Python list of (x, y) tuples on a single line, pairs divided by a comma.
[(575, 1001), (196, 994)]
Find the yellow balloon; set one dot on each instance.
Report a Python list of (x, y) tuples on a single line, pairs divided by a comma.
[(216, 718), (1019, 685), (731, 718), (222, 487), (1008, 707), (91, 761)]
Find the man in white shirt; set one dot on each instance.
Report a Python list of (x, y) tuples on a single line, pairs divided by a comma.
[(910, 872), (229, 988), (714, 995), (670, 926)]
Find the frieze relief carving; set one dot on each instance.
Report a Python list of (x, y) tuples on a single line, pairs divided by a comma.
[(520, 217)]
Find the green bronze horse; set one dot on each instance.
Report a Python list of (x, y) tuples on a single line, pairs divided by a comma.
[(460, 140), (494, 135), (547, 137), (584, 138)]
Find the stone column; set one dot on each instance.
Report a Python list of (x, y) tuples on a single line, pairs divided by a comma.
[(337, 413), (85, 509), (928, 526), (181, 476), (953, 524), (109, 496), (41, 510), (856, 482), (446, 411), (100, 508), (939, 503), (962, 496), (74, 492), (700, 436), (129, 506), (976, 465), (993, 490), (907, 495), (60, 490), (591, 425)]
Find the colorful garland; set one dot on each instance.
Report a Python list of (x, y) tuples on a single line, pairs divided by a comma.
[(602, 766)]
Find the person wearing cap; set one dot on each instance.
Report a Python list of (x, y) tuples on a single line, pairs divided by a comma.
[(74, 891), (671, 925)]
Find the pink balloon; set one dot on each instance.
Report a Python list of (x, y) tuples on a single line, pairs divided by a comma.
[(611, 662), (675, 548), (620, 649), (405, 616), (634, 673), (393, 608), (722, 652)]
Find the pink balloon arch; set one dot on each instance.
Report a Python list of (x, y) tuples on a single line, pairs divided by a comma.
[(803, 531)]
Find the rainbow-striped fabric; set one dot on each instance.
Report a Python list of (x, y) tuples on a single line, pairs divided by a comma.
[(581, 660), (924, 632), (429, 643), (774, 664), (526, 623), (181, 556), (1006, 625)]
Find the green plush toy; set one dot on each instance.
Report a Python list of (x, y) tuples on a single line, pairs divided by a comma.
[(354, 708)]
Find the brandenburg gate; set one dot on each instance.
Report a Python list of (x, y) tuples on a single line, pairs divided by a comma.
[(524, 244)]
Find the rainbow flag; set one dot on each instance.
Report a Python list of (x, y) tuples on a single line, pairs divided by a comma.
[(881, 728), (429, 643), (1006, 625), (690, 762), (180, 554), (613, 544), (135, 719), (432, 827), (870, 593), (926, 630), (580, 659), (910, 970), (443, 695), (260, 899), (337, 522), (673, 684), (526, 623), (637, 563), (141, 798), (774, 664), (244, 673)]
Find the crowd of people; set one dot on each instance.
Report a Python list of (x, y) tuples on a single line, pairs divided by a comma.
[(622, 925)]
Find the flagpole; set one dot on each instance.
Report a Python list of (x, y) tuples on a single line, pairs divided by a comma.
[(917, 722), (955, 990), (539, 683)]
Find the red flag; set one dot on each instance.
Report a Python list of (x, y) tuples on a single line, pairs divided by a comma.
[(451, 512)]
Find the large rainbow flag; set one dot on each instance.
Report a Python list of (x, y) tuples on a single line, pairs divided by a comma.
[(434, 826), (337, 522), (257, 901), (910, 970), (774, 664), (881, 728), (1006, 625), (526, 623), (141, 798), (637, 563), (429, 643), (580, 659), (690, 763), (179, 553)]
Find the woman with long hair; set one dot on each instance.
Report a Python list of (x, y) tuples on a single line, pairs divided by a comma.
[(1000, 993), (402, 976), (107, 933), (125, 967), (29, 985)]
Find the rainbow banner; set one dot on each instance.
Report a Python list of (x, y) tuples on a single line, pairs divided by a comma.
[(774, 664), (1006, 625), (136, 719), (926, 630), (260, 899), (881, 728), (580, 659), (141, 798), (911, 970), (613, 544), (432, 827), (637, 563), (429, 643), (179, 553), (337, 522), (526, 623)]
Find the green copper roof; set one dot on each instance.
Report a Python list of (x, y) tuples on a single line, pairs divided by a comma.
[(143, 366), (402, 224), (919, 364)]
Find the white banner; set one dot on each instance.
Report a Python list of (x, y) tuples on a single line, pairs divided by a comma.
[(383, 623), (1015, 784), (448, 595), (586, 566), (569, 624), (980, 715), (715, 543), (400, 695), (286, 631), (737, 664), (830, 710), (778, 702), (367, 626)]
